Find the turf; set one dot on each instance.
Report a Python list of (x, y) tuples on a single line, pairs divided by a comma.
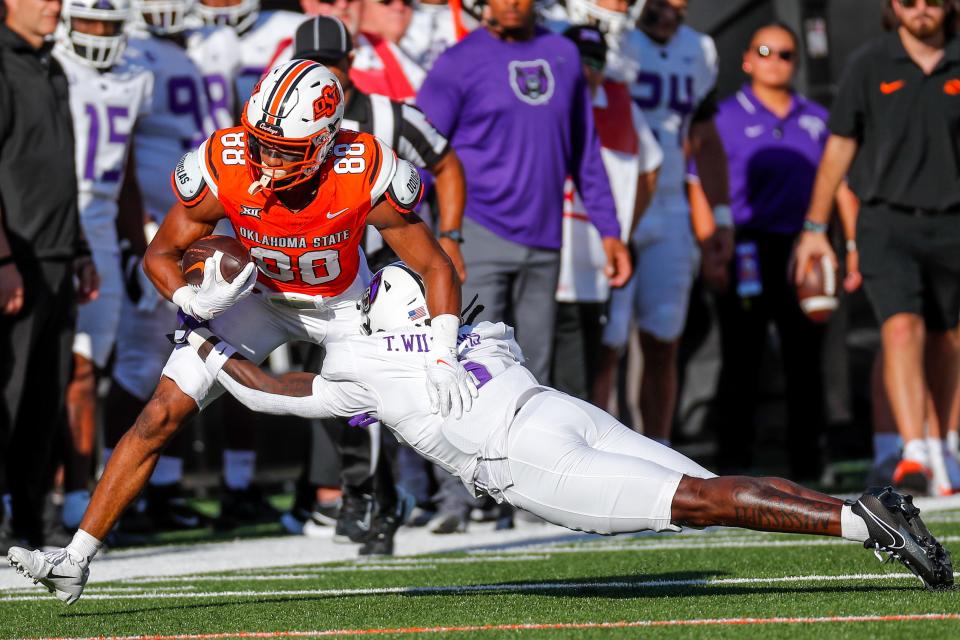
[(722, 574)]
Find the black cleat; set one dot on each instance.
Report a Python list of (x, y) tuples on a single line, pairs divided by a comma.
[(380, 540), (240, 507), (895, 528), (355, 521), (384, 528)]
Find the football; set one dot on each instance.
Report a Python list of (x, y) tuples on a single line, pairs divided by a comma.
[(817, 293), (235, 258)]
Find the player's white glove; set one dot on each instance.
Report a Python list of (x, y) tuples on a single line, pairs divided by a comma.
[(214, 295), (449, 386)]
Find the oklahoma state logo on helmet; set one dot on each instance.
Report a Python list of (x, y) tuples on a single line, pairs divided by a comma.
[(326, 105)]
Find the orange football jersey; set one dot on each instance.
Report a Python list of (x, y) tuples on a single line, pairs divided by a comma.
[(316, 250)]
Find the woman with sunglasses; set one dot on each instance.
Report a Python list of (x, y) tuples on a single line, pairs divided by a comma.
[(774, 138)]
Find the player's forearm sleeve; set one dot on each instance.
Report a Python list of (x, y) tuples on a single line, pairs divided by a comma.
[(305, 407)]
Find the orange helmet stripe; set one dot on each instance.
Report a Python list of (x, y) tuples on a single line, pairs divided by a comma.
[(284, 86)]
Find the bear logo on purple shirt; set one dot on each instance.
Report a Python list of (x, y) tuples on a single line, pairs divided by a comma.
[(532, 80)]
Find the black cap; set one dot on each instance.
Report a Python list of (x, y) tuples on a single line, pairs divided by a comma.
[(323, 39), (590, 42)]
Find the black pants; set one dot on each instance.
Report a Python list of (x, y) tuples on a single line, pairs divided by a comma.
[(576, 345), (743, 331), (35, 362)]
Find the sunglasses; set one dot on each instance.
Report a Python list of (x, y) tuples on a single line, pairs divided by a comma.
[(910, 4), (387, 3), (786, 55)]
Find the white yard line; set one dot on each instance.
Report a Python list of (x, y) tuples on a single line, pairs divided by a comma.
[(520, 587), (281, 553)]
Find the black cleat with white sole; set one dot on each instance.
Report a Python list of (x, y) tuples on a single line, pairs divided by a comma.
[(895, 528)]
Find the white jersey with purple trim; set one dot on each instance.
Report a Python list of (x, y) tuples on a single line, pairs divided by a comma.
[(672, 81), (382, 375), (261, 43), (531, 446), (216, 52), (105, 107), (178, 122)]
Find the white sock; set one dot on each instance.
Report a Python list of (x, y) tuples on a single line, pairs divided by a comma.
[(953, 442), (168, 471), (917, 451), (664, 441), (852, 526), (941, 479), (83, 547), (885, 445), (238, 468)]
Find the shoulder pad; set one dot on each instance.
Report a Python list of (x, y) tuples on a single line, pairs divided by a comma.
[(187, 179), (405, 188)]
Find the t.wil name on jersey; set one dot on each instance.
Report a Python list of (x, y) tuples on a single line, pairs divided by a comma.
[(294, 242), (415, 342)]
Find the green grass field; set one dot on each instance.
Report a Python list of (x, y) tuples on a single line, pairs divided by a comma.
[(722, 576)]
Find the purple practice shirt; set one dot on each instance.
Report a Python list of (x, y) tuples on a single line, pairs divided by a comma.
[(520, 118), (772, 161)]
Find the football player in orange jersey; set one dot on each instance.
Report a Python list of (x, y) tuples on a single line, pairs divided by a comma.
[(298, 192)]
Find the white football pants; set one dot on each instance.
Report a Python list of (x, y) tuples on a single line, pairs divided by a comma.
[(577, 466)]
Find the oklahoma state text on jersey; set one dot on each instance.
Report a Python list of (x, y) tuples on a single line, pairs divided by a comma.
[(314, 251)]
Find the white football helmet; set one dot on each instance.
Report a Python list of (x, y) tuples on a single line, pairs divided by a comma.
[(292, 118), (240, 16), (394, 299), (100, 52), (608, 21), (161, 17)]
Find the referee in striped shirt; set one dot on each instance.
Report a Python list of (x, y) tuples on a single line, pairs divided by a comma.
[(369, 510)]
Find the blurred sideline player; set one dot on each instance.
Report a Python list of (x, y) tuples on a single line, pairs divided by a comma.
[(631, 157), (260, 32), (436, 26), (216, 50), (107, 96), (298, 192), (179, 120), (529, 446), (671, 71)]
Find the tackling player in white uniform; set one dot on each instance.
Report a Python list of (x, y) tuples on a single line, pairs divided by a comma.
[(531, 446), (671, 71), (179, 120), (107, 96)]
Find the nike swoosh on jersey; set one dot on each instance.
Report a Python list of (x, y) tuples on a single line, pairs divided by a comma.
[(331, 216), (886, 88)]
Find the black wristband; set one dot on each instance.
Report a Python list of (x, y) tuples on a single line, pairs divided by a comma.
[(453, 234), (5, 260)]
